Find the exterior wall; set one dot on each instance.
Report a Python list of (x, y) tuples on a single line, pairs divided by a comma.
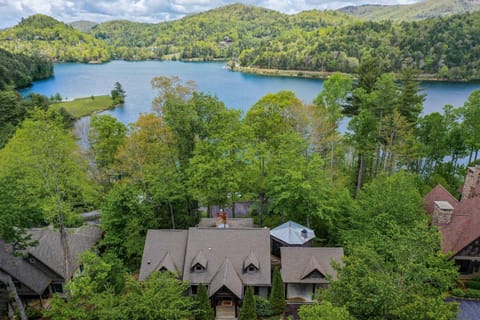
[(263, 291), (300, 290)]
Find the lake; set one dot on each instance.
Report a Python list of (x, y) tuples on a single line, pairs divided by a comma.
[(237, 90)]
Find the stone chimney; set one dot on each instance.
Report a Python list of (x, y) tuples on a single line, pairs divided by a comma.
[(221, 220), (442, 213), (472, 181)]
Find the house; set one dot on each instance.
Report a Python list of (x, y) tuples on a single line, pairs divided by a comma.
[(229, 255), (290, 234), (459, 222), (39, 271), (225, 260), (307, 270)]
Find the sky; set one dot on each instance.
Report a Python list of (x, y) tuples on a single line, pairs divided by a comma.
[(11, 11)]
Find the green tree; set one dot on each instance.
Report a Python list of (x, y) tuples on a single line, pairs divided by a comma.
[(394, 264), (105, 135), (277, 295), (47, 155), (118, 94), (323, 311), (248, 311), (204, 306)]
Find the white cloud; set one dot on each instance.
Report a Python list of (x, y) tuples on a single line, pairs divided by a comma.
[(11, 11)]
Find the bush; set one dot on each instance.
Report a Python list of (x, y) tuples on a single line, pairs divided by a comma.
[(477, 278), (264, 308), (472, 293), (458, 293), (471, 284)]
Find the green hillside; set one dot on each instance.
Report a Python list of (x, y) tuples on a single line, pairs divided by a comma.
[(218, 33), (46, 36), (417, 11)]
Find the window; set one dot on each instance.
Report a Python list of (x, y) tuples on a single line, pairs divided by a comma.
[(57, 287), (251, 269), (194, 289), (198, 268)]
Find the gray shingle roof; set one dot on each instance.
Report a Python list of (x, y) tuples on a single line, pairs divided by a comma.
[(234, 244), (299, 262), (158, 244), (18, 268), (226, 277), (49, 249), (293, 233)]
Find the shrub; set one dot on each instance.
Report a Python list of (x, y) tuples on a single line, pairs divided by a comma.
[(458, 293), (477, 278), (471, 284), (277, 296), (264, 308), (472, 293)]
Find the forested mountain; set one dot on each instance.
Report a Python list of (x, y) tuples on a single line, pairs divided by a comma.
[(416, 11), (219, 33), (44, 35), (249, 36)]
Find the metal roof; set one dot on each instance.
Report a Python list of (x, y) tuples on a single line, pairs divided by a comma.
[(293, 233)]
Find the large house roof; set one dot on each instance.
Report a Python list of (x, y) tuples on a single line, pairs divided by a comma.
[(20, 269), (464, 226), (160, 247), (236, 245), (298, 263), (49, 248), (211, 255), (293, 233)]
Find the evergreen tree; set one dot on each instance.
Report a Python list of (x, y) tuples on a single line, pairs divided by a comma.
[(277, 296), (204, 308), (249, 309), (118, 94)]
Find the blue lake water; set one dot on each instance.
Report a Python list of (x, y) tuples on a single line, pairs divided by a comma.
[(235, 89)]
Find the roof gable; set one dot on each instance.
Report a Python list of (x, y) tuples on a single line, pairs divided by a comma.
[(251, 260), (226, 277), (293, 233), (299, 264), (158, 244), (49, 248), (19, 268), (200, 260), (167, 264), (311, 267)]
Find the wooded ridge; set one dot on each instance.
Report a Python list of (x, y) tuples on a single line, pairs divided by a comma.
[(250, 36)]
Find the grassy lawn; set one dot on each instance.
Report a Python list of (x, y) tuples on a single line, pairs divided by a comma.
[(82, 107)]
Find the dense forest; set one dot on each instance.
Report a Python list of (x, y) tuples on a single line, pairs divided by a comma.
[(18, 71), (326, 41)]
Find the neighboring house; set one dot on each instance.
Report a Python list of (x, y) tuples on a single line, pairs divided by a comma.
[(459, 222), (226, 260), (290, 234), (240, 209), (306, 270), (40, 270)]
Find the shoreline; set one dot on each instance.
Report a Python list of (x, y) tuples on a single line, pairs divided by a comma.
[(323, 75)]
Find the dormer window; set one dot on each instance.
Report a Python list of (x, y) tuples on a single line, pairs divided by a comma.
[(250, 264), (251, 269), (199, 263), (163, 270), (198, 268)]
